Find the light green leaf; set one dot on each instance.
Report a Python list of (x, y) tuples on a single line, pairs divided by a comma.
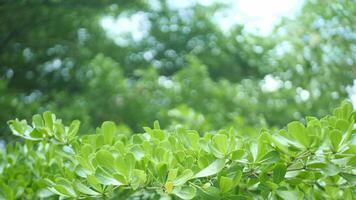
[(122, 179), (138, 178), (121, 166), (86, 150), (108, 130), (344, 110), (261, 148), (37, 121), (85, 189), (237, 177), (162, 170), (212, 169), (270, 157), (85, 163), (44, 193), (73, 128), (279, 141), (172, 174), (335, 137), (237, 154), (225, 184), (351, 178), (18, 127), (105, 178), (289, 195), (187, 192), (210, 193), (220, 142), (156, 125), (331, 169), (80, 171), (64, 190), (297, 131), (215, 151), (138, 152), (193, 137), (183, 178), (94, 182), (49, 119), (105, 159)]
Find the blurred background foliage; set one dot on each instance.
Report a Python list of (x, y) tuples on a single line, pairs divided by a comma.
[(182, 68)]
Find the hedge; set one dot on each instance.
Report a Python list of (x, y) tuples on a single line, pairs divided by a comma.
[(315, 159)]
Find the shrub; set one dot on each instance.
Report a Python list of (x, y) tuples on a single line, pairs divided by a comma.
[(312, 161)]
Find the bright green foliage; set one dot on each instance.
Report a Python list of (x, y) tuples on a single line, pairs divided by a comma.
[(312, 161)]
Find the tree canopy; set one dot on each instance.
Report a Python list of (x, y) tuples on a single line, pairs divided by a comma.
[(55, 52)]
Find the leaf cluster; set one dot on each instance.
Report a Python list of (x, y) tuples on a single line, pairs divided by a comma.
[(312, 161)]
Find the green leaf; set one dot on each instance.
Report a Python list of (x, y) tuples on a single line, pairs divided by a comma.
[(335, 137), (18, 127), (193, 137), (220, 142), (37, 121), (183, 178), (125, 164), (85, 189), (279, 172), (210, 193), (351, 178), (225, 184), (44, 193), (108, 130), (212, 169), (270, 157), (121, 167), (156, 125), (261, 148), (64, 190), (215, 151), (86, 150), (237, 154), (316, 165), (162, 170), (344, 110), (80, 171), (138, 178), (138, 152), (237, 177), (289, 195), (6, 191), (172, 174), (49, 119), (122, 179), (35, 134), (73, 128), (297, 130), (187, 192), (105, 178), (331, 169), (277, 141), (94, 182), (105, 159), (85, 163)]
